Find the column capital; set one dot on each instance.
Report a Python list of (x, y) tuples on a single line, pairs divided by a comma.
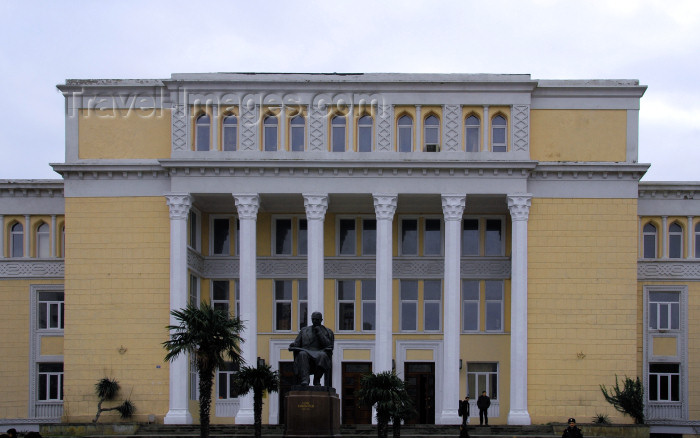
[(247, 205), (384, 205), (453, 206), (179, 204), (519, 206), (316, 206)]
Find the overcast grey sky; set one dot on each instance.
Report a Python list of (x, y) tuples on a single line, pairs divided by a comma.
[(43, 43)]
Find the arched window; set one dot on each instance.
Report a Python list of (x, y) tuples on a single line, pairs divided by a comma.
[(364, 134), (431, 134), (202, 133), (17, 240), (472, 134), (43, 241), (498, 134), (338, 134), (697, 241), (230, 128), (675, 241), (405, 128), (649, 237), (296, 134), (270, 133)]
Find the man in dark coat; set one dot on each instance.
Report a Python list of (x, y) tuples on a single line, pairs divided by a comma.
[(463, 410), (572, 431), (483, 403), (313, 349)]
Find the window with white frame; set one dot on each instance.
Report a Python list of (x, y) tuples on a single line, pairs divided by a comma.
[(203, 133), (405, 134), (220, 296), (194, 298), (338, 134), (193, 379), (283, 305), (225, 381), (297, 136), (664, 382), (472, 134), (482, 377), (270, 133), (649, 241), (470, 305), (408, 294), (283, 236), (303, 303), (432, 237), (369, 236), (43, 241), (409, 236), (494, 242), (364, 134), (369, 305), (230, 133), (50, 382), (221, 236), (493, 294), (664, 310), (346, 237), (17, 240), (432, 305), (470, 237), (431, 134), (498, 134), (302, 237), (193, 230), (345, 290), (50, 310), (675, 241)]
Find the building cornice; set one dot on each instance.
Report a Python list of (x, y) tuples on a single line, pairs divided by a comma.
[(585, 171), (668, 190), (37, 188)]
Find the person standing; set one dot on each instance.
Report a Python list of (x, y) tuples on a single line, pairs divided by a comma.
[(483, 403), (572, 431), (463, 410)]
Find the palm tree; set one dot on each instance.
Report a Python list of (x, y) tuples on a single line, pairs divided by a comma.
[(388, 393), (107, 390), (259, 379), (208, 335)]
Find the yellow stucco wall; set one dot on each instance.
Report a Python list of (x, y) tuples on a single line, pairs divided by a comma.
[(124, 134), (117, 273), (582, 280), (51, 346), (578, 135)]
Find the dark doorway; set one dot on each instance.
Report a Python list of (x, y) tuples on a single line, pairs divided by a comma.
[(420, 383), (353, 411), (286, 370)]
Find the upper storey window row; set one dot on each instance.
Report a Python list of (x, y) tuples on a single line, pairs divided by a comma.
[(30, 236), (345, 133), (671, 238)]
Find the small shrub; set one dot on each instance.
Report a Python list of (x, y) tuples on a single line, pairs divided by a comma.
[(601, 419), (629, 399)]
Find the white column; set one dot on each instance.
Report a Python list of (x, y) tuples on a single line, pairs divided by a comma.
[(519, 206), (691, 248), (418, 146), (452, 209), (247, 205), (53, 235), (663, 233), (351, 129), (316, 206), (215, 128), (179, 205), (27, 235), (384, 208), (283, 128), (486, 124)]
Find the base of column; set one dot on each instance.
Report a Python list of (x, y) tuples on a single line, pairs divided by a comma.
[(449, 416), (245, 416), (178, 416), (519, 418)]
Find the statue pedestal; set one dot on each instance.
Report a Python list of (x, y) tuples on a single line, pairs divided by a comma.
[(312, 411)]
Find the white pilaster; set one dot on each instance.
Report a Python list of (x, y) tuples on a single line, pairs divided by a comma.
[(53, 235), (247, 205), (384, 208), (179, 205), (418, 144), (519, 206), (316, 206), (663, 235), (283, 129), (215, 128), (27, 235), (486, 125), (690, 234), (452, 208)]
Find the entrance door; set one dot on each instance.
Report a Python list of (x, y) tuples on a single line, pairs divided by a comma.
[(420, 383), (353, 411), (286, 370)]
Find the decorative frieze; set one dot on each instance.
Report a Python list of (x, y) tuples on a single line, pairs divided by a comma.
[(179, 125), (34, 269), (521, 127), (317, 125), (687, 270), (385, 122), (249, 126), (452, 132)]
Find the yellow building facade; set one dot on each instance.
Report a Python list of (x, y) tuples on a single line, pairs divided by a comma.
[(471, 232)]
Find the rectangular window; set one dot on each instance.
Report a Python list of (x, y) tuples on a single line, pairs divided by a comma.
[(494, 238), (369, 305), (302, 237), (432, 238), (194, 290), (230, 132), (369, 237), (338, 134), (494, 305), (220, 296), (50, 385), (283, 237), (649, 246), (409, 237), (51, 310), (364, 134), (43, 249), (470, 305), (283, 305), (482, 377), (297, 136), (470, 237), (193, 231), (432, 305), (346, 237), (303, 304), (664, 382), (409, 305), (221, 242), (346, 305), (664, 310), (270, 133), (226, 390)]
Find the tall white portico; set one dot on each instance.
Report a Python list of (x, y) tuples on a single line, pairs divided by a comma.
[(316, 206), (384, 207), (519, 206), (179, 205), (247, 205)]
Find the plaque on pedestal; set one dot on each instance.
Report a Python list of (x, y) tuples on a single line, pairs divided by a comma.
[(312, 411)]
